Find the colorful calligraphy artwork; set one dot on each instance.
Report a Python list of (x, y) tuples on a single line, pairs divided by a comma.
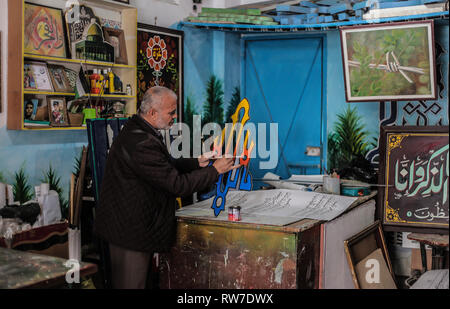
[(160, 61), (44, 31), (415, 169), (236, 179)]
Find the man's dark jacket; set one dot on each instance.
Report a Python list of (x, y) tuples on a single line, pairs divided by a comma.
[(139, 189)]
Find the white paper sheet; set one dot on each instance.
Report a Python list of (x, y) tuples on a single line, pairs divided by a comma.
[(275, 207)]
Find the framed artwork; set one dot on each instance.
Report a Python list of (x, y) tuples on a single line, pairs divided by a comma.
[(160, 61), (116, 37), (36, 74), (57, 111), (1, 72), (59, 79), (389, 62), (414, 174), (78, 17), (44, 31), (362, 250), (28, 78), (30, 109)]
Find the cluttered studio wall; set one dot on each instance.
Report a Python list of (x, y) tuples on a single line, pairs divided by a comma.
[(216, 60)]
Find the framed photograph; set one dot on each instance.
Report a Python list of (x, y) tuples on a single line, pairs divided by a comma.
[(57, 111), (28, 78), (389, 62), (44, 31), (116, 37), (30, 109), (37, 72), (414, 173), (160, 61), (59, 79), (365, 251)]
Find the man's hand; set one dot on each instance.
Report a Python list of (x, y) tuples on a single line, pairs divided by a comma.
[(224, 165), (203, 160)]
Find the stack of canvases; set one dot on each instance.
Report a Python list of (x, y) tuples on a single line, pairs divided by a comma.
[(330, 11)]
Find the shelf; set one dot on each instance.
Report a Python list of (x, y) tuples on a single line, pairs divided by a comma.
[(78, 61), (71, 94), (53, 128), (37, 92)]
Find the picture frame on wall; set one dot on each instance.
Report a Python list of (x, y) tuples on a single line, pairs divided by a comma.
[(413, 173), (44, 31), (59, 79), (37, 72), (389, 62), (160, 59), (30, 109), (57, 112), (116, 37)]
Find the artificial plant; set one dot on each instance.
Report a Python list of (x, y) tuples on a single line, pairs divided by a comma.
[(21, 188)]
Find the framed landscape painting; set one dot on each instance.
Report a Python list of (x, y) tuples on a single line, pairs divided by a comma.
[(389, 62)]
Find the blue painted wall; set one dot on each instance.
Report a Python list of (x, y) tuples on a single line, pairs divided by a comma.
[(211, 52)]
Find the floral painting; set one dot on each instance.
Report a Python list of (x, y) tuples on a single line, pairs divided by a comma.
[(160, 61), (389, 62), (44, 31)]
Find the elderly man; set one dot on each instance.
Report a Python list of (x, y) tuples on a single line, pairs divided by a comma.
[(136, 212)]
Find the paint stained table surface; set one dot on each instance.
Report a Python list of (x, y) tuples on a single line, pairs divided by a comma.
[(19, 270), (430, 239)]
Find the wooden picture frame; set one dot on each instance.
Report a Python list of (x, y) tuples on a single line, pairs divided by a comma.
[(413, 171), (363, 245), (40, 75), (59, 79), (153, 71), (407, 72), (116, 37), (49, 40), (57, 112)]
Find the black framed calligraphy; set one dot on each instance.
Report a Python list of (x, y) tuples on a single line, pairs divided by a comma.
[(414, 168), (160, 61)]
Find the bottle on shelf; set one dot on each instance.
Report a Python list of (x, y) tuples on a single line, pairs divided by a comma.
[(106, 81), (94, 82), (111, 81)]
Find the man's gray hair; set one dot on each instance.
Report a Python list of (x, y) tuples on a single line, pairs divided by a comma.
[(152, 98)]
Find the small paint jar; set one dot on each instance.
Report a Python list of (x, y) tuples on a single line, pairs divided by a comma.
[(237, 213), (231, 213)]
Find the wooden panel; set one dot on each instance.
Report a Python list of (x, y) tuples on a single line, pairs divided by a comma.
[(15, 69), (228, 257)]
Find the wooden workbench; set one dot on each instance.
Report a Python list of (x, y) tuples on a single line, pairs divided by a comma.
[(21, 270), (210, 254)]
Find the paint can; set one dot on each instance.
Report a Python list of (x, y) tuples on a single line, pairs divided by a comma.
[(231, 213), (237, 213)]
